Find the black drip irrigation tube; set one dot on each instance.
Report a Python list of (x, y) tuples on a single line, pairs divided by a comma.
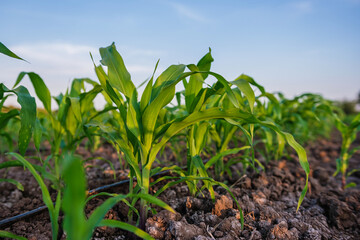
[(9, 221)]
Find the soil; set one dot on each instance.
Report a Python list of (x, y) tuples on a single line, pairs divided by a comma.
[(268, 200)]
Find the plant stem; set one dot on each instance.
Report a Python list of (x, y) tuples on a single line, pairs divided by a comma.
[(143, 203)]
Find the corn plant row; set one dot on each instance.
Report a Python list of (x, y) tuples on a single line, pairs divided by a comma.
[(140, 126)]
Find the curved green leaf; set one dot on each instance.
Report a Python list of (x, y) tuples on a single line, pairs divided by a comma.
[(10, 235), (211, 113), (41, 89), (244, 87), (27, 117), (119, 77), (4, 50), (125, 226), (12, 181), (215, 158), (45, 193)]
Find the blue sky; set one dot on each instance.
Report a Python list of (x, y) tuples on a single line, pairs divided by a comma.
[(288, 46)]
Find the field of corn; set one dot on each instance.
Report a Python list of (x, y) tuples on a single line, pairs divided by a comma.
[(226, 160)]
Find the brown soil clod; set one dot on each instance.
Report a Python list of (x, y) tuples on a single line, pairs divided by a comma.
[(222, 204)]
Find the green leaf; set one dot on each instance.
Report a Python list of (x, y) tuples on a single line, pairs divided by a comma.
[(10, 235), (125, 226), (300, 152), (146, 96), (215, 158), (133, 118), (199, 165), (74, 198), (200, 136), (6, 51), (76, 108), (349, 185), (5, 117), (119, 77), (12, 181), (166, 78), (154, 200), (114, 96), (27, 117), (244, 87), (86, 99), (352, 172), (100, 212), (13, 163), (100, 73), (281, 146), (151, 113), (204, 64), (207, 114), (29, 166), (41, 89), (45, 193), (193, 87), (9, 140), (355, 122), (37, 134), (63, 109)]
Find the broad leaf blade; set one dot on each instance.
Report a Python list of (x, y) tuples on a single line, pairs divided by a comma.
[(37, 134), (244, 87), (27, 117), (8, 52), (119, 77), (74, 198), (41, 89)]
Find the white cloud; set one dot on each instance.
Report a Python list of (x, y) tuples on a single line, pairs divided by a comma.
[(188, 13)]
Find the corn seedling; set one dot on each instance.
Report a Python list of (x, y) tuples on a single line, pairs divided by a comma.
[(141, 136), (348, 134), (27, 115), (76, 225), (53, 210), (141, 126)]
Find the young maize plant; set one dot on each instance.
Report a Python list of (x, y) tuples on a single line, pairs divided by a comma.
[(27, 113), (348, 134), (76, 226), (70, 108), (196, 133), (27, 116), (53, 210), (65, 131), (306, 116), (140, 127), (141, 136)]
